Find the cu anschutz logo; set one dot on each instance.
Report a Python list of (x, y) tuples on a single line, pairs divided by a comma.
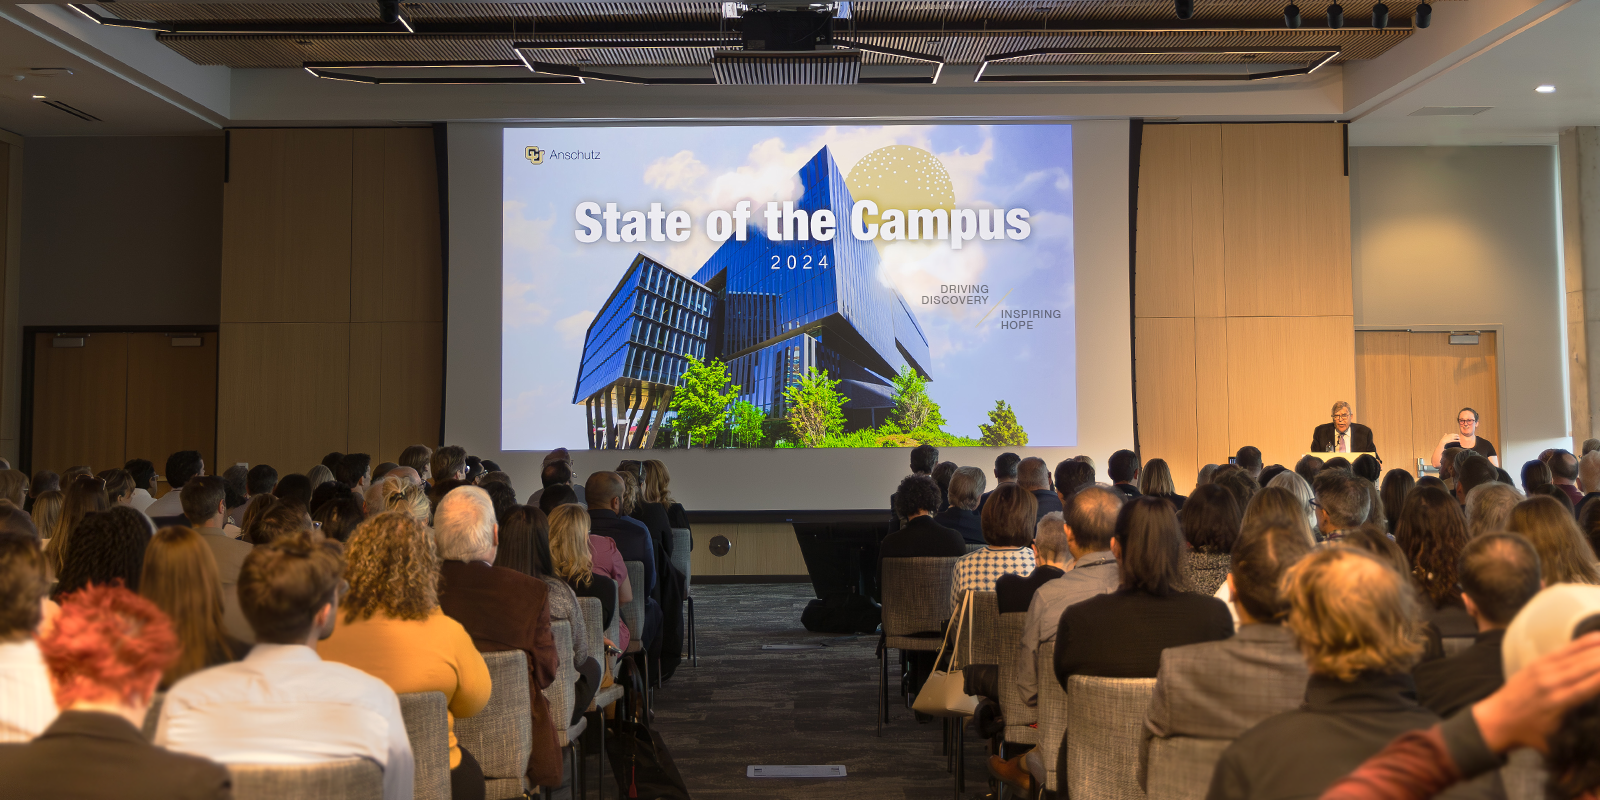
[(534, 154)]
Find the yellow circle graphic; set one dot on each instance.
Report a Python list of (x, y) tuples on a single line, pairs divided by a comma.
[(901, 176)]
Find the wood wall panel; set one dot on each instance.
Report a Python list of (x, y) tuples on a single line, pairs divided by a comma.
[(366, 392), (1446, 377), (1383, 394), (1204, 153), (80, 402), (283, 393), (1211, 394), (172, 398), (1286, 220), (286, 226), (396, 273), (1164, 360), (410, 377), (1283, 375), (1165, 226)]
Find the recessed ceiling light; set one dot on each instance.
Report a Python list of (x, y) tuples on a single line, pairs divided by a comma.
[(1545, 88), (38, 97)]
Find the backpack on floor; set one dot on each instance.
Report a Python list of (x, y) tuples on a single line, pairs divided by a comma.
[(842, 612), (639, 757)]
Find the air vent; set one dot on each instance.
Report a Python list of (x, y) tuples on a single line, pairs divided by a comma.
[(76, 112), (819, 68), (1449, 111)]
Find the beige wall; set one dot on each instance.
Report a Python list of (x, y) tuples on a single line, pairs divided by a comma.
[(1242, 312), (332, 296), (1465, 238)]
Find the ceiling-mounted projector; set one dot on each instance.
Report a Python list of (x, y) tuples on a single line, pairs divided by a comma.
[(771, 28)]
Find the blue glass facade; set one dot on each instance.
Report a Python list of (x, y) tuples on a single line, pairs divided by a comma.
[(769, 309), (651, 321)]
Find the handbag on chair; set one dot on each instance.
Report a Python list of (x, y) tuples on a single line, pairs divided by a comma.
[(944, 693)]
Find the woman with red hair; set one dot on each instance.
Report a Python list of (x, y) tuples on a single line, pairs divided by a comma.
[(105, 655)]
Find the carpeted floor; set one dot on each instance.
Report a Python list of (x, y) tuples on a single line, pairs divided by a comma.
[(743, 705)]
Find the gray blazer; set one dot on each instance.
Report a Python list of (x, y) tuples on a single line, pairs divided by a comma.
[(1219, 690), (230, 555), (1097, 575)]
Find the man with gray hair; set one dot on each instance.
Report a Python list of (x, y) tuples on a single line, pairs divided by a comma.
[(1489, 508), (1343, 434), (966, 489), (1342, 503), (1014, 593), (501, 609), (1034, 475), (1588, 477)]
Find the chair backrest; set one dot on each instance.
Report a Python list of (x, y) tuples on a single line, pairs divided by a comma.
[(983, 646), (633, 612), (682, 540), (153, 716), (1524, 775), (1105, 727), (345, 779), (916, 595), (560, 693), (1052, 714), (594, 617), (427, 717), (1019, 716), (1180, 767), (973, 548), (500, 736)]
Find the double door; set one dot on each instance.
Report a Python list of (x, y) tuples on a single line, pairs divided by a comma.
[(1410, 384)]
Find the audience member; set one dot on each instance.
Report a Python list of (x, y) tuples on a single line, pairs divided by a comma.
[(107, 548), (1564, 555), (1589, 446), (339, 518), (1090, 523), (1535, 474), (15, 523), (658, 489), (382, 469), (1434, 481), (1220, 689), (1210, 523), (1432, 534), (1123, 469), (653, 516), (448, 464), (1551, 490), (47, 513), (1375, 510), (1005, 471), (318, 475), (1472, 471), (203, 509), (233, 483), (1034, 475), (1337, 463), (80, 499), (1342, 503), (409, 499), (1380, 545), (294, 489), (501, 495), (200, 511), (525, 547), (26, 706), (180, 576), (14, 487), (419, 458), (1499, 575), (1489, 508), (501, 609), (555, 497), (1237, 482), (392, 627), (1297, 487), (1397, 483), (1356, 621), (1447, 467), (1588, 478), (1248, 458), (1205, 475), (1008, 523), (73, 473), (105, 656), (1564, 475), (496, 476), (961, 515), (1276, 506), (327, 493), (283, 703), (181, 467), (1072, 475), (1122, 634), (923, 459), (573, 559), (556, 471), (475, 470), (277, 520), (1307, 468), (144, 475), (604, 490), (1014, 593), (331, 460), (942, 472), (921, 537), (355, 471), (119, 487), (1268, 473), (1156, 480)]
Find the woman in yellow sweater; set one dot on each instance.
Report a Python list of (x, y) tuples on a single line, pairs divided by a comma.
[(391, 627)]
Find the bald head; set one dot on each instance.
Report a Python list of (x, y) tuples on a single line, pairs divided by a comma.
[(1091, 518), (406, 474), (1500, 573), (602, 488)]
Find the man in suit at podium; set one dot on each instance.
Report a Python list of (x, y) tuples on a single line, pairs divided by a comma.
[(1342, 435)]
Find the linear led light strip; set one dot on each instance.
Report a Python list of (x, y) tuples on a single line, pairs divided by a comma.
[(93, 15), (1328, 54)]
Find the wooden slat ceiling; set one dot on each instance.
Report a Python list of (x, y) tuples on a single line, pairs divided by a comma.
[(959, 32)]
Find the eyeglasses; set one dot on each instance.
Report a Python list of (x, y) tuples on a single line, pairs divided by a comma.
[(1315, 504), (1465, 421), (1341, 417)]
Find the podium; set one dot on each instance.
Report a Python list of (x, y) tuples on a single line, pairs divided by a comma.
[(1351, 457)]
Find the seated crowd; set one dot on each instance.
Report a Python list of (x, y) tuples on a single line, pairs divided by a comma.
[(277, 620), (1328, 630)]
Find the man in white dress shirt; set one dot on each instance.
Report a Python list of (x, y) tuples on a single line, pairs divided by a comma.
[(283, 704), (144, 473), (181, 466)]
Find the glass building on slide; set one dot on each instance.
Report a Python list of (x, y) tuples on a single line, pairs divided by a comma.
[(768, 309)]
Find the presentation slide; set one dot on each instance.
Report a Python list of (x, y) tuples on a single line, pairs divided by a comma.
[(788, 287)]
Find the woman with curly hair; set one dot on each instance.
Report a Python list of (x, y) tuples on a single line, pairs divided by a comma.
[(180, 576), (1564, 555), (1432, 533), (391, 626), (107, 547)]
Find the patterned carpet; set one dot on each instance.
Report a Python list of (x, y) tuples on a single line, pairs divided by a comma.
[(744, 706)]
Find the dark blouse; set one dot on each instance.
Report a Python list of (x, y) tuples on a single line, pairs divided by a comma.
[(601, 588)]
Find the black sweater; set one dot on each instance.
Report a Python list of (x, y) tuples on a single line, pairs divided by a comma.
[(1122, 634)]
